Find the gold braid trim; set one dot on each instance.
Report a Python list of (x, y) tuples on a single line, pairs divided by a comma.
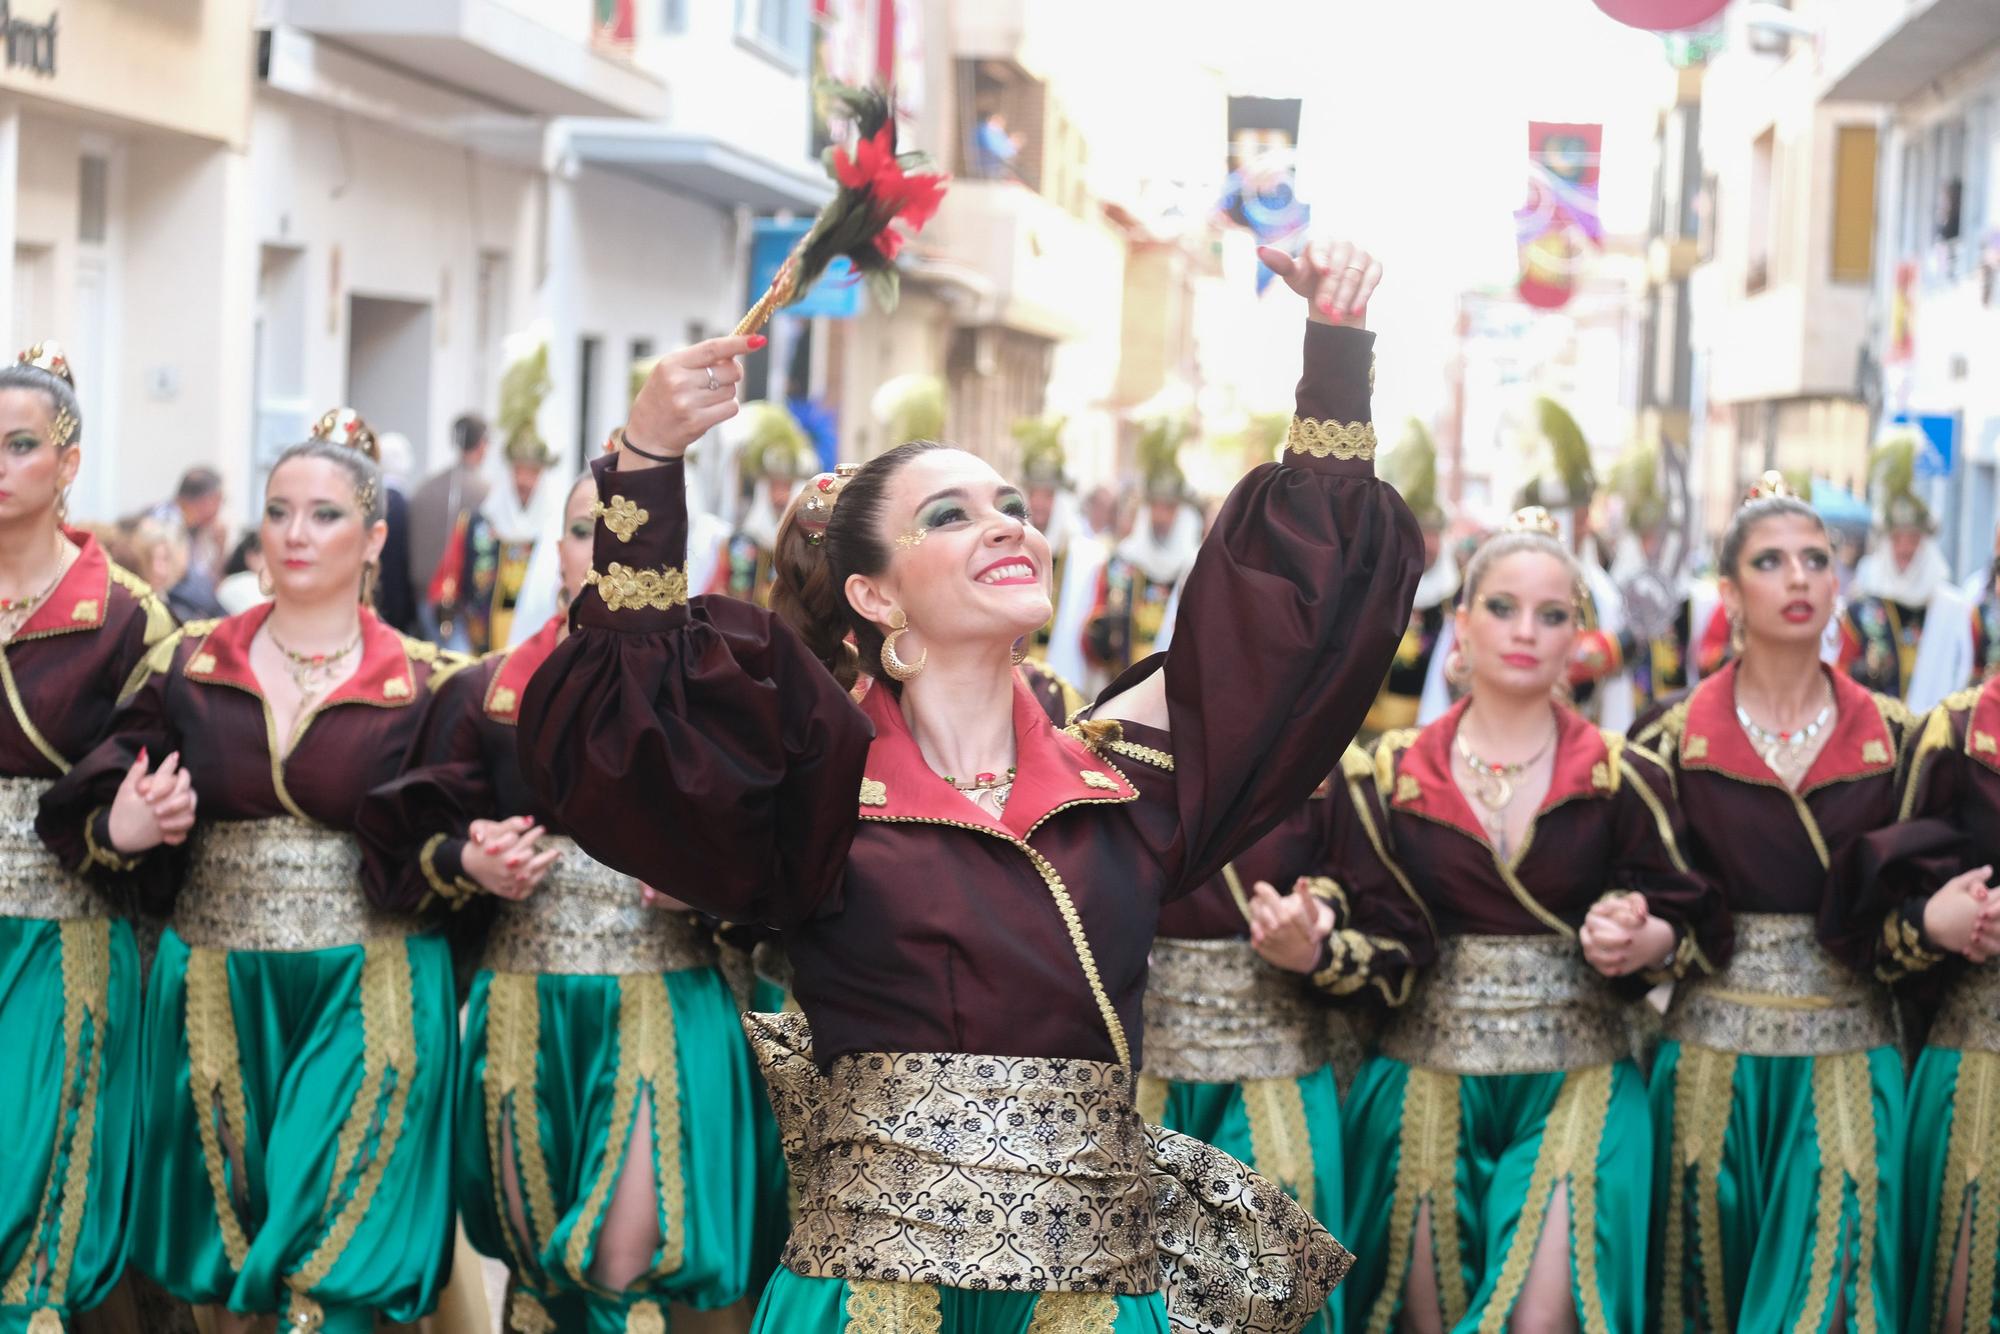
[(1704, 1095), (85, 960), (645, 1318), (1844, 1115), (622, 515), (1280, 1138), (1331, 439), (662, 1046), (26, 724), (1975, 1123), (526, 1315), (215, 1078), (1935, 737), (513, 1040), (96, 854), (389, 1046), (1159, 759), (875, 1307), (86, 975), (455, 892), (1075, 1313), (1074, 924), (1570, 1140), (647, 1055), (624, 588), (1426, 1170), (1150, 1099)]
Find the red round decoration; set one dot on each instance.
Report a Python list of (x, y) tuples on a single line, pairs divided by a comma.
[(1663, 15)]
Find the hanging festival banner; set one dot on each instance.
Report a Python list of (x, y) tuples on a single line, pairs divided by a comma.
[(1260, 193), (1560, 215)]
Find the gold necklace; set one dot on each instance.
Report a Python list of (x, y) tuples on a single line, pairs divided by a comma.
[(14, 612), (312, 673), (1493, 783)]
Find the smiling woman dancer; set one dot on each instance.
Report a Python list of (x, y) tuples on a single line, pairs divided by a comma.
[(1778, 1095), (74, 627), (971, 888), (298, 1040), (1499, 1141)]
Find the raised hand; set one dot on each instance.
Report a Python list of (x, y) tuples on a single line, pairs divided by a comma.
[(501, 858), (1287, 930), (152, 809), (1620, 935), (1336, 278), (685, 394), (1964, 916)]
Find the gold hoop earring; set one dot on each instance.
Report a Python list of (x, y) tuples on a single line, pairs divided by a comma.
[(899, 625), (1019, 654), (1736, 639), (1456, 670), (264, 584)]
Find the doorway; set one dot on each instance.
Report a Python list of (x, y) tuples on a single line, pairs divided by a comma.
[(389, 366)]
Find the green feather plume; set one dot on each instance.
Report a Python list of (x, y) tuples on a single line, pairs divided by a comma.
[(1411, 467), (909, 407)]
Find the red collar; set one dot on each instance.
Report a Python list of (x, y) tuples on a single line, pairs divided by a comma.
[(1982, 729), (1425, 786), (79, 599), (1052, 770), (1713, 739), (510, 682), (383, 679)]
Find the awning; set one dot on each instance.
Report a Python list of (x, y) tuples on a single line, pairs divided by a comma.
[(1934, 38), (702, 165)]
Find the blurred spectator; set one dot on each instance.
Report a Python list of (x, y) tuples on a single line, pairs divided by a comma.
[(197, 509), (157, 549), (242, 585), (997, 148), (395, 597), (440, 508)]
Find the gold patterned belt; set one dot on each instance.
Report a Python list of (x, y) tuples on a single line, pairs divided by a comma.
[(1503, 1005), (282, 884), (589, 919), (1218, 1014), (1782, 995), (1028, 1173), (1969, 1018), (33, 883)]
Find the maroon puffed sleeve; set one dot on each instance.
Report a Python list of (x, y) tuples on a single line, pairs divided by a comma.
[(413, 828), (74, 817), (1289, 619), (1872, 917), (1647, 841), (696, 745), (1383, 934)]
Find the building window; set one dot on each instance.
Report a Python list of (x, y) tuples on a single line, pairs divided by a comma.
[(1758, 217), (673, 15), (640, 360), (589, 353), (778, 28), (92, 198), (1853, 203)]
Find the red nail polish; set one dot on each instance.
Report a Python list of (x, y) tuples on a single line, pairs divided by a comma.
[(757, 342), (142, 754)]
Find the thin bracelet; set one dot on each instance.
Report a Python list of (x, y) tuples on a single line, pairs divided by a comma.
[(625, 442)]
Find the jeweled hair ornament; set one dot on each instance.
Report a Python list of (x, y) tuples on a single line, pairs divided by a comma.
[(1532, 519), (816, 502), (1771, 486), (47, 355), (345, 426)]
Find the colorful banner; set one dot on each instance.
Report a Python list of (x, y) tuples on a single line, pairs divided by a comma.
[(614, 27), (1260, 192), (1560, 214)]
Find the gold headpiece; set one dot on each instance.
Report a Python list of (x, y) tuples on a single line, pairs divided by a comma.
[(345, 426), (816, 502), (1532, 519), (1771, 486), (48, 356)]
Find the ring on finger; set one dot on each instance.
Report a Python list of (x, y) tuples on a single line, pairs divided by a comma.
[(713, 383)]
